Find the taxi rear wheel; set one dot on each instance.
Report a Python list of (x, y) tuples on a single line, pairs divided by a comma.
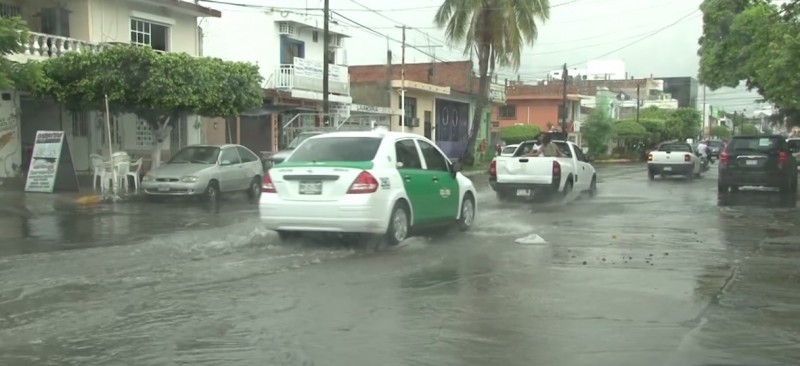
[(398, 224)]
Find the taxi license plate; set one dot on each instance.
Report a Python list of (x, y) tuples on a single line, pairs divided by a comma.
[(311, 188), (523, 192), (752, 162), (668, 169), (163, 188)]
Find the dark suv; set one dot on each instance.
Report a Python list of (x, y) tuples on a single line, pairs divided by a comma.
[(760, 161)]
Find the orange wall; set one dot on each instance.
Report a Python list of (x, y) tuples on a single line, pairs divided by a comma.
[(537, 112)]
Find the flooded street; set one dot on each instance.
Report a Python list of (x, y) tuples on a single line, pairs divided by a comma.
[(647, 273)]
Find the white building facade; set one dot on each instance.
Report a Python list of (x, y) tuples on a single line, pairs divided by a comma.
[(86, 26)]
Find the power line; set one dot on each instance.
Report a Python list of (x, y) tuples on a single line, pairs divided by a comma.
[(651, 34), (359, 25)]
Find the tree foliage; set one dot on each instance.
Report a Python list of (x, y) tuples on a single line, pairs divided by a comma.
[(683, 123), (517, 134), (630, 130), (154, 86), (597, 131), (497, 31), (655, 130), (16, 75), (756, 42), (721, 132), (748, 129)]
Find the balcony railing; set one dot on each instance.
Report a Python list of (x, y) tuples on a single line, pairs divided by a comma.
[(290, 76), (43, 45)]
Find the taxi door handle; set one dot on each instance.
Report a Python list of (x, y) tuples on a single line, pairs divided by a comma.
[(436, 179), (407, 178)]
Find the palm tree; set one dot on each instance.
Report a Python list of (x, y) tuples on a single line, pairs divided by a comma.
[(497, 30)]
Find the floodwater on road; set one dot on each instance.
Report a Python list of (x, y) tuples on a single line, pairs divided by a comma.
[(646, 273)]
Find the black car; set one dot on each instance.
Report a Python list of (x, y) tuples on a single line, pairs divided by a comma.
[(715, 148), (760, 161)]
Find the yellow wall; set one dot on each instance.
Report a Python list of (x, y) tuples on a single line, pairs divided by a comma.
[(425, 102)]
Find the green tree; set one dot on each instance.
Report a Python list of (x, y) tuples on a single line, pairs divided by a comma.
[(16, 75), (721, 132), (655, 130), (748, 129), (517, 134), (755, 41), (497, 31), (654, 113), (159, 88), (597, 131), (683, 123)]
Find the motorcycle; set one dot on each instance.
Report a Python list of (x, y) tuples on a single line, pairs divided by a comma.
[(704, 163)]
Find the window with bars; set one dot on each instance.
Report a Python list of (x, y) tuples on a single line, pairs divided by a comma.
[(9, 11), (146, 33)]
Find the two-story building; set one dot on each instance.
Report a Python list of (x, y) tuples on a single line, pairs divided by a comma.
[(439, 101), (538, 105), (64, 26), (289, 49)]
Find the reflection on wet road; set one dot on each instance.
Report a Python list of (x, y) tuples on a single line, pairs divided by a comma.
[(647, 273)]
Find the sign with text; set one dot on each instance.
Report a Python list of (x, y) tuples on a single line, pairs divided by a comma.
[(51, 164)]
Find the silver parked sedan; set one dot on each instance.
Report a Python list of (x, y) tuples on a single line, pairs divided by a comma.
[(207, 170)]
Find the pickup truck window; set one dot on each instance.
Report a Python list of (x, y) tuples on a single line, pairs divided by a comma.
[(433, 158), (564, 148), (675, 147), (525, 148), (579, 154), (407, 154)]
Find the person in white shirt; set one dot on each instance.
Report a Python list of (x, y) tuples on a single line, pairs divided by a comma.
[(702, 148)]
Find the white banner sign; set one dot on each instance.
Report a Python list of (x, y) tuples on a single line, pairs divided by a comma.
[(313, 69), (44, 161)]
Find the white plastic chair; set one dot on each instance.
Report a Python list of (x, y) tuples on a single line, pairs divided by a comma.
[(101, 170), (121, 163), (136, 169)]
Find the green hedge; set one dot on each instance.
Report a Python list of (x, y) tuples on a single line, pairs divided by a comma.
[(517, 134)]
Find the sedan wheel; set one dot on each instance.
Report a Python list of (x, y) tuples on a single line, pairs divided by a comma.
[(398, 225), (467, 213)]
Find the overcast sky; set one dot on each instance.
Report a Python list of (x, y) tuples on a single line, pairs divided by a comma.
[(657, 37)]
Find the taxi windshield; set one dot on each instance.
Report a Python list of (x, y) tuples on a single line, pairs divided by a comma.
[(349, 149)]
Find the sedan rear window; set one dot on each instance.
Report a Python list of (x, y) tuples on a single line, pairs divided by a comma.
[(794, 144), (336, 149), (675, 147)]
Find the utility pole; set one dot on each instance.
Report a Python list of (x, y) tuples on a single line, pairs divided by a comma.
[(326, 108), (402, 82), (638, 101), (565, 76), (706, 120)]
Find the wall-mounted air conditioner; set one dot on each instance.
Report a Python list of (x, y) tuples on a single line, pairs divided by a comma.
[(335, 40), (286, 28)]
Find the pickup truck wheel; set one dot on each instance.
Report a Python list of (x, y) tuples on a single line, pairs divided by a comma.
[(567, 190), (651, 176), (593, 187)]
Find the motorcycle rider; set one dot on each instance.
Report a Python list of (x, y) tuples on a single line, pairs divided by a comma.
[(704, 151)]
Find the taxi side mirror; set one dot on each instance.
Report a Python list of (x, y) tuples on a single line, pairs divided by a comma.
[(455, 168)]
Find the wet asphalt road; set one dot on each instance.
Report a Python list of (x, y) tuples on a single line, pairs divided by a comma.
[(647, 273)]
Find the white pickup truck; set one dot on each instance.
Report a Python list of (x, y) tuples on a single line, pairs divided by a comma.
[(674, 158), (524, 176)]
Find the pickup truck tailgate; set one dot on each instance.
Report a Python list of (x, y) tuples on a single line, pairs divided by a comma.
[(524, 170), (672, 157)]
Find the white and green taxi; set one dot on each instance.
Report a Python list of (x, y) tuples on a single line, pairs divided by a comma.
[(375, 182)]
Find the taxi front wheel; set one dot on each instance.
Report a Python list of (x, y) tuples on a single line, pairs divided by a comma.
[(467, 216)]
